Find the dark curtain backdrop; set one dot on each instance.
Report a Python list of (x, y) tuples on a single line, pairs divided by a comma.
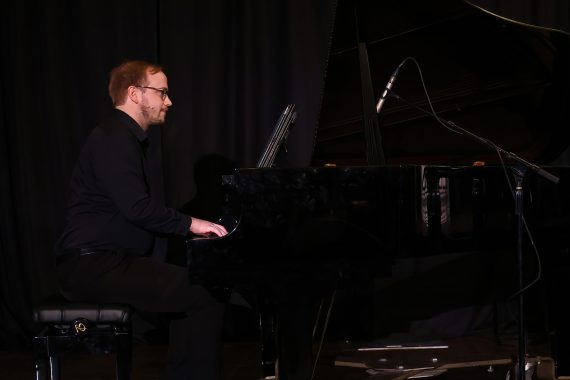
[(232, 68), (233, 65)]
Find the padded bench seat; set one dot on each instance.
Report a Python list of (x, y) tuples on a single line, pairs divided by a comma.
[(81, 328)]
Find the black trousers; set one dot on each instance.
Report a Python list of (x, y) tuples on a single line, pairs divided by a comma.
[(152, 286)]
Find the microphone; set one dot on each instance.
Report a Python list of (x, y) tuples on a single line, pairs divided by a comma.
[(380, 103)]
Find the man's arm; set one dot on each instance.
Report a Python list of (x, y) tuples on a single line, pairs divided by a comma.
[(119, 166)]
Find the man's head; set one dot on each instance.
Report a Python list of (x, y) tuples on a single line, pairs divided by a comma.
[(140, 89)]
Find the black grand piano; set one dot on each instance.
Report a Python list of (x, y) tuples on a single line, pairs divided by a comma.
[(400, 184)]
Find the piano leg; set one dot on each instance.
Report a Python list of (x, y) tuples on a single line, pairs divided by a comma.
[(294, 338), (286, 328), (268, 325)]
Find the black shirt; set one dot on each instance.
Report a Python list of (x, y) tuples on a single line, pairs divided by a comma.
[(111, 206)]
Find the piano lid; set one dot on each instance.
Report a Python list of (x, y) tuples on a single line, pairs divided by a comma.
[(503, 79)]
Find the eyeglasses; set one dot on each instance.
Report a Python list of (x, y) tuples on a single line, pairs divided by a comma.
[(163, 91)]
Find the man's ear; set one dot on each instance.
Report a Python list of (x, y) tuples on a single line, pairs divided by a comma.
[(133, 94)]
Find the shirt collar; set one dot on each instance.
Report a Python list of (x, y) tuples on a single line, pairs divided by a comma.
[(135, 129)]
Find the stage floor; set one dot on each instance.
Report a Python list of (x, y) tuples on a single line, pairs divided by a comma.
[(473, 357)]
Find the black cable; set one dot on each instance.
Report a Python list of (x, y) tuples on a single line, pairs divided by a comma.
[(451, 126)]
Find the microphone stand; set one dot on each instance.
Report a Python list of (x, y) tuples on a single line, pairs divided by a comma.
[(518, 174)]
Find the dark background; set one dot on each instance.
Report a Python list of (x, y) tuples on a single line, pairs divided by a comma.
[(232, 66)]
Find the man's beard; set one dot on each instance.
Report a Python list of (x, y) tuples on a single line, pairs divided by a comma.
[(147, 113)]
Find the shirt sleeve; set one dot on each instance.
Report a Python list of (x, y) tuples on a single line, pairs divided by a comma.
[(119, 164)]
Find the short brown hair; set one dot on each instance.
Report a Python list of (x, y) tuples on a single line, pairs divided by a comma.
[(128, 74)]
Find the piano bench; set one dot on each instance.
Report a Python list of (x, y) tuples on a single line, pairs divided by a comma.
[(85, 329)]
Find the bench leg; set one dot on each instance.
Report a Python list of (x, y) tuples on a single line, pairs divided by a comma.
[(41, 359), (54, 367), (124, 356)]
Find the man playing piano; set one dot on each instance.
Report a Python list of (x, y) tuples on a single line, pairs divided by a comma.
[(113, 216)]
